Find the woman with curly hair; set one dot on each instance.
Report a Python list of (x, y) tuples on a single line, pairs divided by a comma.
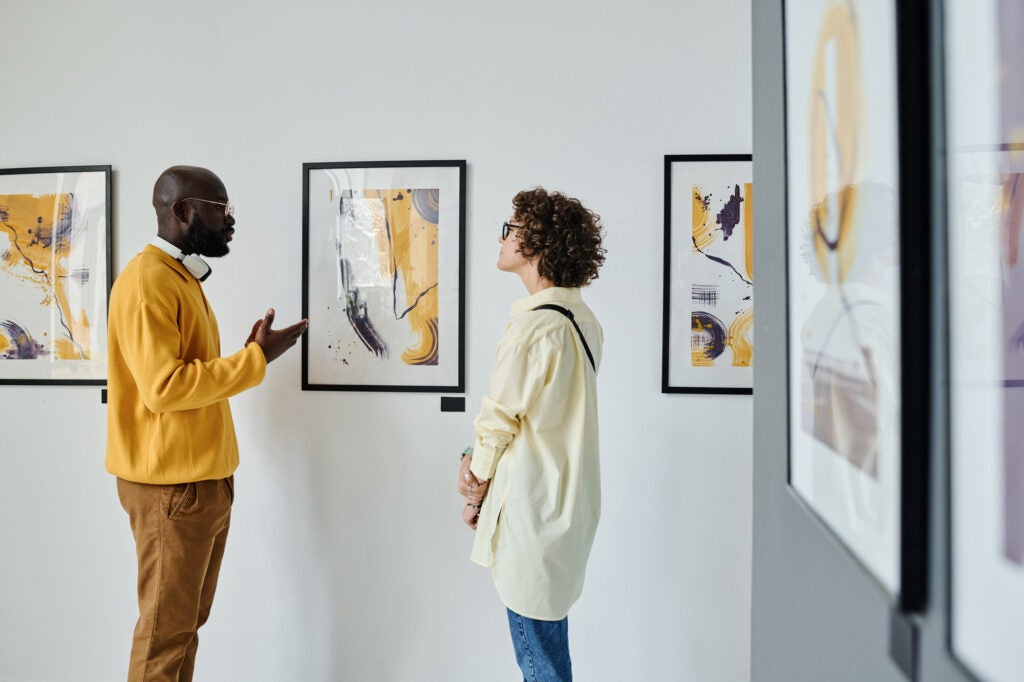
[(532, 479)]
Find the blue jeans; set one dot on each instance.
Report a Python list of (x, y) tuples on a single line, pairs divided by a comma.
[(542, 648)]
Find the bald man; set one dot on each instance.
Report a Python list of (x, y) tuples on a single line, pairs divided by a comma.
[(170, 439)]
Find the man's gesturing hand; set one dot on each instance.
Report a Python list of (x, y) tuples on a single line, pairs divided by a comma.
[(274, 342)]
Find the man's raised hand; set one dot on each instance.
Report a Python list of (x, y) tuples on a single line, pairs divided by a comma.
[(274, 342)]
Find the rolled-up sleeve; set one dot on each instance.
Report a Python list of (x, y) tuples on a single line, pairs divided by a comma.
[(516, 381)]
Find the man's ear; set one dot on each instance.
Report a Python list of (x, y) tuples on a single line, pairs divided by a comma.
[(180, 210)]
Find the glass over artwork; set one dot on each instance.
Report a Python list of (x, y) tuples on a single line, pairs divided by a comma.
[(843, 265), (54, 274), (985, 172), (383, 278)]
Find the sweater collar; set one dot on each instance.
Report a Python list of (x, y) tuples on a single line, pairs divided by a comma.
[(168, 259)]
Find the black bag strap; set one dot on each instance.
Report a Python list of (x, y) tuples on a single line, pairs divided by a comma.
[(568, 313)]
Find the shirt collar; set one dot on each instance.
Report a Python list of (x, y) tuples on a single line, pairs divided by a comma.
[(549, 295)]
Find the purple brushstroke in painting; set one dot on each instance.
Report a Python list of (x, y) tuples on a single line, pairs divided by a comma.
[(729, 216), (704, 294), (21, 344), (707, 334), (720, 261), (358, 314)]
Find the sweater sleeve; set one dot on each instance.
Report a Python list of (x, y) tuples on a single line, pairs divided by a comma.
[(166, 383), (516, 382)]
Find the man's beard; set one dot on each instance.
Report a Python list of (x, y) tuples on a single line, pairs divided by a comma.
[(202, 240)]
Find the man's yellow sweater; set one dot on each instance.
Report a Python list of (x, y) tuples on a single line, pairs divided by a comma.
[(168, 419)]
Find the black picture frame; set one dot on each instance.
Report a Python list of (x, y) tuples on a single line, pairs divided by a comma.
[(733, 281), (361, 357), (81, 331), (912, 119)]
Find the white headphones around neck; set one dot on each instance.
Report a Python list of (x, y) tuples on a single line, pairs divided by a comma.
[(196, 266)]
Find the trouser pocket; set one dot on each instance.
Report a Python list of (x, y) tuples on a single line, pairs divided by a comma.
[(182, 498)]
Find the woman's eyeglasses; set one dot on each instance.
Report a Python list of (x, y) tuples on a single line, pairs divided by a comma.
[(506, 228)]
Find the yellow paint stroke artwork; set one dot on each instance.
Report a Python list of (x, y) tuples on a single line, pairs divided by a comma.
[(390, 243), (849, 348), (39, 230), (1012, 212), (835, 127), (739, 339), (748, 230), (742, 325), (703, 231), (710, 336), (412, 216)]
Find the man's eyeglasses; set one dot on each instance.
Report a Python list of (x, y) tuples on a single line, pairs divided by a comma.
[(506, 228), (229, 208)]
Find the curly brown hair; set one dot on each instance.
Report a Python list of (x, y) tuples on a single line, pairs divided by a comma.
[(561, 234)]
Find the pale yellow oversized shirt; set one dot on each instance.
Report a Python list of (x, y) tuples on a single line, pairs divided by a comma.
[(537, 443)]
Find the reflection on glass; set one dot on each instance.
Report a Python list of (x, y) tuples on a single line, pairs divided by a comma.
[(848, 345)]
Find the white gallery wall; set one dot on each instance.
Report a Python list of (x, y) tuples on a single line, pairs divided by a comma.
[(347, 559)]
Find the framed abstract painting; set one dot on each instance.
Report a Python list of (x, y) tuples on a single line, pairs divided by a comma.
[(55, 274), (985, 206), (858, 331), (708, 306), (383, 276)]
